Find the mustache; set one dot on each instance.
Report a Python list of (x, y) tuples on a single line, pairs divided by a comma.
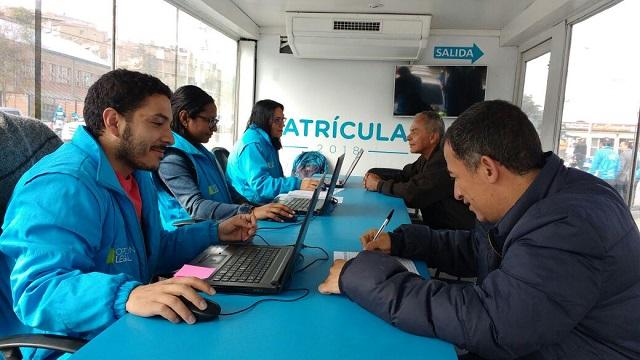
[(162, 148)]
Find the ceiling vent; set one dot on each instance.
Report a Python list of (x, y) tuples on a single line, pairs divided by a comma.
[(357, 25), (391, 37)]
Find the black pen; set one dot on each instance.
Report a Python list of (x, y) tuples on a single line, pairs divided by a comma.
[(386, 221)]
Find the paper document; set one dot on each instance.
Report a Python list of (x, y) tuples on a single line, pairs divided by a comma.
[(307, 195), (348, 255)]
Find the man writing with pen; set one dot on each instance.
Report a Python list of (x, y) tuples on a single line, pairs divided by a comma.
[(555, 253)]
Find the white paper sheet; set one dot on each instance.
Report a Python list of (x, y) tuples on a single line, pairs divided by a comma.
[(348, 255), (307, 194)]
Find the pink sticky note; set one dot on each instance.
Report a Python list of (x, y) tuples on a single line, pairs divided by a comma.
[(195, 271)]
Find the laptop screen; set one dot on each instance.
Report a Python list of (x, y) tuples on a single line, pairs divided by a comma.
[(332, 185), (307, 220), (353, 164)]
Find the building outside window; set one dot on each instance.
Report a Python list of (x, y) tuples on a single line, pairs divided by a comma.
[(77, 49)]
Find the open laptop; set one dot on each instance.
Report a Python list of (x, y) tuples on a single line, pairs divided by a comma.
[(343, 181), (300, 204), (254, 269)]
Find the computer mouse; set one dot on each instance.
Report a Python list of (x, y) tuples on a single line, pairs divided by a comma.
[(292, 219), (210, 313)]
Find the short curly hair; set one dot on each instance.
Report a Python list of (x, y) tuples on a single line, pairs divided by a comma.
[(120, 89)]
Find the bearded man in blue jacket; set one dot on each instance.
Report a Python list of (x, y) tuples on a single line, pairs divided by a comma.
[(82, 236), (555, 254)]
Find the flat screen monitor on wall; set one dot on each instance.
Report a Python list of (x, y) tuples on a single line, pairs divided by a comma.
[(449, 90)]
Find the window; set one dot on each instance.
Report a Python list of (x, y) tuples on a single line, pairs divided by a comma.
[(535, 73), (601, 103), (17, 56), (208, 59), (76, 38), (147, 43)]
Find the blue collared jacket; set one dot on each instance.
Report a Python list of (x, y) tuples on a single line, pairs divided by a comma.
[(72, 248), (192, 185), (254, 169)]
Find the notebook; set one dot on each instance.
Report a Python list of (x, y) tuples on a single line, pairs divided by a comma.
[(254, 269), (300, 204)]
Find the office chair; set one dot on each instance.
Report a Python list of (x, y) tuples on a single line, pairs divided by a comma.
[(24, 142), (221, 155)]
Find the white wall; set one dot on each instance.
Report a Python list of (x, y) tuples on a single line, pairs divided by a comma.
[(360, 92)]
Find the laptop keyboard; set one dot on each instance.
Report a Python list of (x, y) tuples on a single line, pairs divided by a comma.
[(249, 265), (298, 204)]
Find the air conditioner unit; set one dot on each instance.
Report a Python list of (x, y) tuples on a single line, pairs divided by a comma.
[(357, 36)]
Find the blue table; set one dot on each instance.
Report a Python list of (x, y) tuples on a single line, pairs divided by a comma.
[(316, 327)]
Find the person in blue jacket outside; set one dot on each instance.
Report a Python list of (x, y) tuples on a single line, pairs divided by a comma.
[(191, 184), (253, 167), (82, 236), (606, 162), (555, 253)]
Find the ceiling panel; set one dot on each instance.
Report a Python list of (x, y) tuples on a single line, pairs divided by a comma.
[(447, 14)]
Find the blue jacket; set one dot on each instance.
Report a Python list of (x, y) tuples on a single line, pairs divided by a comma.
[(605, 163), (558, 276), (254, 168), (72, 247), (192, 185)]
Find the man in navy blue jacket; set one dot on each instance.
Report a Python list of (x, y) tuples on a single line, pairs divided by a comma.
[(555, 252)]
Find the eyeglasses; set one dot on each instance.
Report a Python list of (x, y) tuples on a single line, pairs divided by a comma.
[(279, 120), (212, 121)]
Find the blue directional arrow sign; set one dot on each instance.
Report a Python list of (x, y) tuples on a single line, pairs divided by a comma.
[(472, 53)]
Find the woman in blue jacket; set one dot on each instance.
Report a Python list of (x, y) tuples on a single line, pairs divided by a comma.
[(191, 184), (254, 167)]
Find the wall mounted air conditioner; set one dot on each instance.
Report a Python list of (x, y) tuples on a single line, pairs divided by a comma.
[(357, 36)]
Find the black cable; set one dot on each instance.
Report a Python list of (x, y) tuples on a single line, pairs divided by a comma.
[(314, 261), (265, 241), (306, 292), (280, 227)]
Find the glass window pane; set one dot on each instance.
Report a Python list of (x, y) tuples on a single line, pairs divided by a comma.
[(17, 56), (146, 38), (535, 88), (76, 50), (600, 112), (208, 59)]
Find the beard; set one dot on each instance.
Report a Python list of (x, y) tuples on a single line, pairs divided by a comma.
[(130, 152)]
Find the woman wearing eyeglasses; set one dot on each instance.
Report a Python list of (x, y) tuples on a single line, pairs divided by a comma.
[(254, 167), (191, 184)]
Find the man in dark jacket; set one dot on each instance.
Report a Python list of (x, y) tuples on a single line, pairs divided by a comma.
[(425, 184), (556, 254)]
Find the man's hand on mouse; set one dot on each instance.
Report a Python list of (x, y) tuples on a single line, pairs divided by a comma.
[(273, 211), (162, 298)]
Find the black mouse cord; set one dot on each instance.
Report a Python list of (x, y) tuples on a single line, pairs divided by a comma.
[(261, 238), (279, 227), (325, 258), (305, 293)]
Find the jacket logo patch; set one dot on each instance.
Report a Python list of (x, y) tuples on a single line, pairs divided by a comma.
[(213, 189), (120, 255), (271, 164)]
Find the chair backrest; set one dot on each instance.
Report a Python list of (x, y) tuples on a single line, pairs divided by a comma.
[(24, 142), (221, 155)]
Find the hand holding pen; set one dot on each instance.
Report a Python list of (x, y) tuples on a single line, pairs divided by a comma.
[(376, 240)]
